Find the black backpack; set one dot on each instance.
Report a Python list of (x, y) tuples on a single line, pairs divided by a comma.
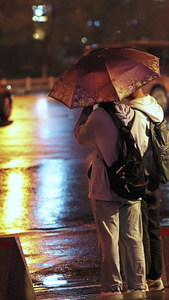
[(156, 157), (127, 175)]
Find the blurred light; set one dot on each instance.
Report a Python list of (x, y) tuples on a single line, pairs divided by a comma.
[(41, 108), (118, 31), (3, 81), (52, 190), (35, 18), (132, 22), (43, 19), (38, 13), (8, 87), (97, 23), (14, 200), (94, 45), (39, 10), (16, 163), (84, 40), (36, 36), (54, 280), (40, 19), (89, 23), (39, 34)]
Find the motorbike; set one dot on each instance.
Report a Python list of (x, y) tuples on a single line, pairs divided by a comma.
[(5, 101)]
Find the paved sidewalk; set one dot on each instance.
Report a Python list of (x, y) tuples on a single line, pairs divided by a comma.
[(158, 295), (91, 292), (89, 288)]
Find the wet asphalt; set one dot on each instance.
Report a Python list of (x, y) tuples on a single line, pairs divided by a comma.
[(44, 200)]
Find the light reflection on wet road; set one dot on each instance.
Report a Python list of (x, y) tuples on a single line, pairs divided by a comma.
[(43, 190), (43, 183), (39, 165)]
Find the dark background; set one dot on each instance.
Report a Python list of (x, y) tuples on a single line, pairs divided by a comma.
[(70, 27)]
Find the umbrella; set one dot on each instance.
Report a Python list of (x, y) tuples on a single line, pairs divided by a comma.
[(106, 75)]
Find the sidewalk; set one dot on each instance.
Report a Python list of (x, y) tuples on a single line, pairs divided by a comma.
[(158, 295), (75, 295), (90, 289)]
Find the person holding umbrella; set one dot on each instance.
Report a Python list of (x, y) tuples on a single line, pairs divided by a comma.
[(113, 215), (105, 78)]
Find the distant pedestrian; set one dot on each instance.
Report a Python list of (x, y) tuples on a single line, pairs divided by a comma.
[(113, 215)]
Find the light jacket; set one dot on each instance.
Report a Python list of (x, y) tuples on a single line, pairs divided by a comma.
[(99, 133), (149, 106)]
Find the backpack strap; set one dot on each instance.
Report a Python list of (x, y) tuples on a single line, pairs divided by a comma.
[(148, 130), (119, 123), (124, 131), (121, 127)]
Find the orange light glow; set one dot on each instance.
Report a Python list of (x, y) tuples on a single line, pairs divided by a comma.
[(14, 200)]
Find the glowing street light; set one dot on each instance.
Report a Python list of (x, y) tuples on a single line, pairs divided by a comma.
[(39, 34), (39, 13)]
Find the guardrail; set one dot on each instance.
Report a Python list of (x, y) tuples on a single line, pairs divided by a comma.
[(27, 85)]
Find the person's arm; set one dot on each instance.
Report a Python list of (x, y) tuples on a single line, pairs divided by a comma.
[(81, 132)]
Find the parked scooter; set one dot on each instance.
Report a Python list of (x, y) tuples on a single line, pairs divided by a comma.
[(5, 101)]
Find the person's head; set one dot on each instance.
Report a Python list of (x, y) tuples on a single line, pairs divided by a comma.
[(136, 94)]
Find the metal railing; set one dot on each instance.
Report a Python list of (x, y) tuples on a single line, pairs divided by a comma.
[(27, 85)]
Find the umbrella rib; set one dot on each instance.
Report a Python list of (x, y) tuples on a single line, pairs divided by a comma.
[(111, 80)]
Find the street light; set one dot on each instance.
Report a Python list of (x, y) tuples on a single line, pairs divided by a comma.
[(39, 34), (39, 16), (39, 13)]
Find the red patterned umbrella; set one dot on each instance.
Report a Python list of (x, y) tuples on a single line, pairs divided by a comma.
[(106, 75)]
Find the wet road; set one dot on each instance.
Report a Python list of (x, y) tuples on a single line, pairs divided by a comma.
[(43, 196), (43, 192)]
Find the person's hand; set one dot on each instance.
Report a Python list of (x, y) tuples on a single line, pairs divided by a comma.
[(87, 110)]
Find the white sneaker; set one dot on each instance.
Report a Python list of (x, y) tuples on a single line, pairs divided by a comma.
[(116, 292), (155, 285)]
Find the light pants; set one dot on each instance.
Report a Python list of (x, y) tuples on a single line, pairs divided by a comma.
[(114, 219)]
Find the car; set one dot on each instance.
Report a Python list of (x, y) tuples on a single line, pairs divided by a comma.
[(5, 101), (158, 88)]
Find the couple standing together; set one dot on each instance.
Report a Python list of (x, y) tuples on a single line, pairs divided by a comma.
[(127, 230)]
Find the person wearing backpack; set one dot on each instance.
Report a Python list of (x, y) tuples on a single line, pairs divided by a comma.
[(113, 214), (149, 110)]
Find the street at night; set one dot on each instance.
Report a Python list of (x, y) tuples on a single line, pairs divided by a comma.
[(56, 58), (44, 198), (44, 193)]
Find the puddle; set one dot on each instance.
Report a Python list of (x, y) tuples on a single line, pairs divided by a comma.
[(53, 280)]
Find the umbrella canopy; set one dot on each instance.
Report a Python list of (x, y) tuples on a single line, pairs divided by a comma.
[(106, 75)]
